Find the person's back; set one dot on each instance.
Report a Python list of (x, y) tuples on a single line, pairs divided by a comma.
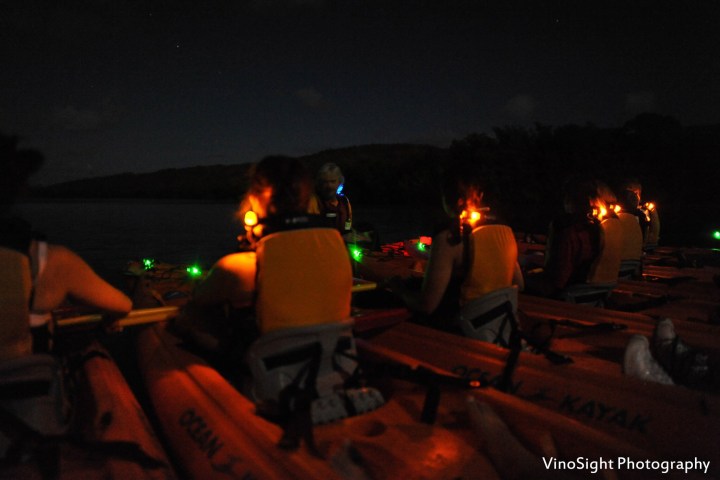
[(298, 273), (606, 266), (38, 276), (645, 211), (573, 245), (632, 246), (15, 292), (469, 258), (492, 257), (304, 278), (574, 242)]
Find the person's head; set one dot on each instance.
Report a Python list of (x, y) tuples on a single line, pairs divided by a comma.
[(578, 196), (462, 188), (16, 167), (604, 200), (329, 178), (634, 186), (279, 185), (628, 200)]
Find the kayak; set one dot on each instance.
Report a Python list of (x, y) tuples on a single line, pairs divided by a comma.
[(102, 432), (591, 395), (606, 332), (671, 421), (432, 426), (213, 430)]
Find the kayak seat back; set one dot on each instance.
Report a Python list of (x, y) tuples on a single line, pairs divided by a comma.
[(490, 318), (315, 359), (595, 295), (33, 399)]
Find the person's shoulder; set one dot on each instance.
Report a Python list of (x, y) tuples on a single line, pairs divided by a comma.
[(569, 220), (236, 261), (62, 253)]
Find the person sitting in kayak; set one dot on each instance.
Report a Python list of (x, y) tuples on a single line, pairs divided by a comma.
[(573, 242), (329, 200), (298, 272), (38, 276), (647, 214), (632, 251), (463, 264)]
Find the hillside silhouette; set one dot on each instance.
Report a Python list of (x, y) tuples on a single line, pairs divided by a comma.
[(524, 167)]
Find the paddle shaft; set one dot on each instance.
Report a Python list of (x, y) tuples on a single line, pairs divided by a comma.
[(135, 317)]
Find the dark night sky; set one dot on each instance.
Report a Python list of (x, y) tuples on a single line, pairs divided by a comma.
[(107, 86)]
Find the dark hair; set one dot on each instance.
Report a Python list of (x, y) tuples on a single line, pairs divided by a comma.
[(628, 200), (579, 195), (289, 180), (16, 166), (461, 182)]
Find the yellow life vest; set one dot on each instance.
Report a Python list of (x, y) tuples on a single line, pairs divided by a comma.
[(493, 254), (15, 291), (632, 244), (606, 267), (304, 277), (653, 234)]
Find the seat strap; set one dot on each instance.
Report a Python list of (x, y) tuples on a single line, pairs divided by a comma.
[(295, 400)]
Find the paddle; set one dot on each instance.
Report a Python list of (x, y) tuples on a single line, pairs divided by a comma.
[(161, 314), (588, 328), (135, 317)]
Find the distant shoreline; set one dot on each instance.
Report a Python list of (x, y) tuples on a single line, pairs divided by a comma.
[(170, 201)]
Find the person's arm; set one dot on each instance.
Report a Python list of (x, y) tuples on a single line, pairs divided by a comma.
[(232, 279), (67, 275), (437, 277)]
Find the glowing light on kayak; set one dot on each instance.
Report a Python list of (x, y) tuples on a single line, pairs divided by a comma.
[(471, 216), (250, 219), (148, 263), (194, 271), (340, 189), (422, 247), (716, 234), (356, 253)]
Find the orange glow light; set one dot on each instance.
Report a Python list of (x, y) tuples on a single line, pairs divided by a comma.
[(472, 217), (599, 212), (251, 218)]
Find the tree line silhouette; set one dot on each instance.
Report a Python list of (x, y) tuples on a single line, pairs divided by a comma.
[(524, 168)]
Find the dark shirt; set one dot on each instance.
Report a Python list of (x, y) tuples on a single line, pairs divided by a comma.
[(339, 215), (573, 245)]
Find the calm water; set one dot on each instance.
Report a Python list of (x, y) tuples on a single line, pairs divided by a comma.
[(108, 234)]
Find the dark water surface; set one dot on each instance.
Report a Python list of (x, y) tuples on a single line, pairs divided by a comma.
[(108, 234)]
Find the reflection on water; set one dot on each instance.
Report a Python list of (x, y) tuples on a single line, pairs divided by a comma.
[(108, 234)]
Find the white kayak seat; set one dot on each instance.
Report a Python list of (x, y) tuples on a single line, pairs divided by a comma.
[(33, 390), (317, 359), (490, 318), (593, 294), (630, 269)]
